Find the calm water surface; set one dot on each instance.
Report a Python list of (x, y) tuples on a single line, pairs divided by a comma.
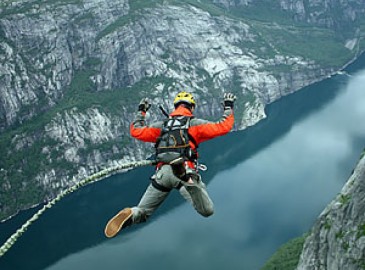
[(269, 183)]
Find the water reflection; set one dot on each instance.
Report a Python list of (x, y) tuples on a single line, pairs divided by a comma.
[(268, 183)]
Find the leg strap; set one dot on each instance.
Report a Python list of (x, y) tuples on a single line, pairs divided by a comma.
[(159, 187)]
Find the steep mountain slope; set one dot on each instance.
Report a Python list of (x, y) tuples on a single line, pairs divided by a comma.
[(72, 73), (346, 17), (337, 240)]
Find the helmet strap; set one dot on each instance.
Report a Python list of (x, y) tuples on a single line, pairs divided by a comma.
[(183, 104)]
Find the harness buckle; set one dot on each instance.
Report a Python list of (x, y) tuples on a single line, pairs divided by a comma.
[(202, 167)]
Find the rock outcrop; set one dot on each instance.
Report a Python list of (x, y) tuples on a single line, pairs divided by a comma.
[(337, 240)]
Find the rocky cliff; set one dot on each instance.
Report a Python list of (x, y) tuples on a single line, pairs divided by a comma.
[(337, 240), (335, 14), (72, 73)]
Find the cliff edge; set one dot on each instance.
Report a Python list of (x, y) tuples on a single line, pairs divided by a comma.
[(337, 240)]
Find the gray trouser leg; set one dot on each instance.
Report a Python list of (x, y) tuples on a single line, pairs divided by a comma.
[(195, 193), (150, 201), (198, 196)]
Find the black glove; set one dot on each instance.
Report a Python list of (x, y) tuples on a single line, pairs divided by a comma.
[(229, 100), (144, 105)]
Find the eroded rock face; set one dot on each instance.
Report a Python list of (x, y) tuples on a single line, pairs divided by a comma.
[(44, 47), (337, 240), (329, 13)]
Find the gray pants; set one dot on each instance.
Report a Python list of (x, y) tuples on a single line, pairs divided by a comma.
[(195, 193)]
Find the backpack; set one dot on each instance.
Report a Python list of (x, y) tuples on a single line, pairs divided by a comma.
[(172, 147)]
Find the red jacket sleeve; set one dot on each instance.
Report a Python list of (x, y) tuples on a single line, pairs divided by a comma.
[(208, 130), (139, 130), (145, 133)]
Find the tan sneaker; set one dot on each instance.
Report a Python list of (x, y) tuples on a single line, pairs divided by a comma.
[(118, 222)]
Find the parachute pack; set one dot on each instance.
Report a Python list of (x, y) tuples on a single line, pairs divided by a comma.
[(173, 146)]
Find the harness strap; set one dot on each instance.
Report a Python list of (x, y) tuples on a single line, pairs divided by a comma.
[(159, 187), (179, 186), (191, 138)]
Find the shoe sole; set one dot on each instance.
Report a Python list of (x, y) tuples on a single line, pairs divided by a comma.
[(116, 223)]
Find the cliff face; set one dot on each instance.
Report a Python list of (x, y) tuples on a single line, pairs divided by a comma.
[(72, 73), (42, 45), (344, 17), (329, 13), (45, 46), (337, 240), (335, 14)]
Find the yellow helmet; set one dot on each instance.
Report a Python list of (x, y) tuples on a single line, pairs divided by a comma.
[(184, 97)]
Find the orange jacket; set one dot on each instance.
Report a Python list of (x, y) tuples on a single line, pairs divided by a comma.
[(201, 130)]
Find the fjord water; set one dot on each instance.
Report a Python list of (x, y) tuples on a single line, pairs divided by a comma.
[(269, 183)]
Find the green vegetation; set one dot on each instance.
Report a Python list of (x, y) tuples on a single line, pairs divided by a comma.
[(287, 256), (264, 11), (84, 18), (345, 198), (206, 5), (24, 8), (360, 231), (340, 235), (345, 246), (136, 7), (362, 154), (313, 43), (328, 224), (29, 159)]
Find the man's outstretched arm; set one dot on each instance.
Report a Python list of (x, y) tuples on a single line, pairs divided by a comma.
[(139, 129), (203, 130)]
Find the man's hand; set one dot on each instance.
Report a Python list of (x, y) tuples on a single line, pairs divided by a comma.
[(229, 100), (144, 105)]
